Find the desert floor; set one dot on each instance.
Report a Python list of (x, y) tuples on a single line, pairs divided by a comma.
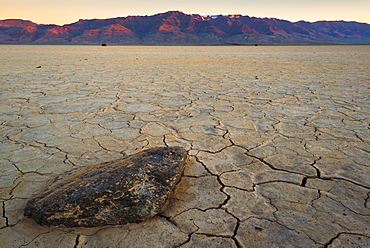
[(278, 140)]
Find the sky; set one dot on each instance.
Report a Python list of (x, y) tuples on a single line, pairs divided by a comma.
[(69, 11)]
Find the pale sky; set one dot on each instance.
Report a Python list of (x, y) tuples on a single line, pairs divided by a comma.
[(68, 11)]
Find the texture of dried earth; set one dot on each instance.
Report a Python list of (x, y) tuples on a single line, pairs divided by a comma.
[(278, 140)]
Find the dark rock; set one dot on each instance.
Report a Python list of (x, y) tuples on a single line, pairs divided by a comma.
[(128, 190)]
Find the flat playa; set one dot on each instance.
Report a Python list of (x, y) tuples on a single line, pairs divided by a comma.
[(278, 138)]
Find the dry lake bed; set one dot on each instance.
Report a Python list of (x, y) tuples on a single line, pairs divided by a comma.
[(278, 140)]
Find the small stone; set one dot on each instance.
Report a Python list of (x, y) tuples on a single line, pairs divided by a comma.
[(128, 190)]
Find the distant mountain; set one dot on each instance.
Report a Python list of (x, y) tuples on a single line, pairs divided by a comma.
[(175, 27)]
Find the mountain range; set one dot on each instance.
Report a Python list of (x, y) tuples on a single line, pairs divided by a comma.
[(175, 27)]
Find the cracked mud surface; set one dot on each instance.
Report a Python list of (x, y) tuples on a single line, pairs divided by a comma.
[(278, 140)]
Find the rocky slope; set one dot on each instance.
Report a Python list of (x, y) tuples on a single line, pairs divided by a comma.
[(176, 27)]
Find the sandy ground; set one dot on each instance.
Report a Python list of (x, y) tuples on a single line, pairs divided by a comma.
[(278, 139)]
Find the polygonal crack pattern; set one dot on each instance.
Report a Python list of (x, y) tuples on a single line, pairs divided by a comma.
[(278, 140)]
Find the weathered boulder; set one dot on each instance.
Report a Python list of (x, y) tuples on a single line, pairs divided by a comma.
[(128, 190)]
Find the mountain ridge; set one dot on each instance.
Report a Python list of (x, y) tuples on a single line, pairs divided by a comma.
[(176, 27)]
